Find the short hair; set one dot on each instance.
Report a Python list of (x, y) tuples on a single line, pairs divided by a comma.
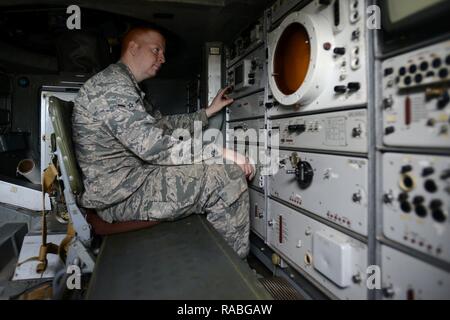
[(135, 33)]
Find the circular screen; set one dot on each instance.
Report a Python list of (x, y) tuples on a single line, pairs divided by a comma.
[(291, 60)]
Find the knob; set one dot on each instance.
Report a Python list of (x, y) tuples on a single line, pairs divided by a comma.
[(354, 86), (402, 197), (389, 130), (443, 73), (251, 75), (406, 168), (402, 71), (436, 204), (388, 198), (388, 71), (418, 200), (304, 173), (437, 63), (428, 171), (269, 105), (270, 223), (356, 132), (340, 89), (413, 68), (356, 198), (424, 66), (251, 81), (300, 128), (388, 102), (339, 51), (357, 278), (443, 100)]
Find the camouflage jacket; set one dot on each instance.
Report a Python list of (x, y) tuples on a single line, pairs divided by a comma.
[(117, 142)]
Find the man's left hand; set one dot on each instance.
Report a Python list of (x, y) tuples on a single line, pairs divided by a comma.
[(219, 102)]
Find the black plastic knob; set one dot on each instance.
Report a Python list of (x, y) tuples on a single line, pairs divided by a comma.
[(304, 173), (388, 71), (437, 63), (424, 66), (354, 86), (428, 171), (340, 89), (402, 71), (406, 168), (389, 130), (339, 51), (418, 200)]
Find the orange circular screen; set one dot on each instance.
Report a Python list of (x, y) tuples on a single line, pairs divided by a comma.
[(291, 60)]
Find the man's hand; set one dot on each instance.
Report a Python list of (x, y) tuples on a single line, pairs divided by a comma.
[(219, 102), (241, 161)]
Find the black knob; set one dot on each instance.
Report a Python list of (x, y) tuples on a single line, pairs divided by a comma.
[(430, 186), (443, 100), (413, 68), (304, 173), (424, 66), (443, 73), (300, 128), (407, 168), (439, 215), (406, 207), (402, 71), (407, 81), (340, 89), (418, 78), (436, 204), (251, 75), (402, 197), (388, 71), (421, 211), (251, 81), (418, 200), (269, 105), (428, 171), (354, 86), (389, 130), (430, 74), (340, 51), (437, 63)]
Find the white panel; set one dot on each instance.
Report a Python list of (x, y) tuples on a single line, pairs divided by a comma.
[(337, 191), (250, 131), (22, 197), (416, 202), (404, 277), (337, 131), (247, 107), (291, 234), (416, 103)]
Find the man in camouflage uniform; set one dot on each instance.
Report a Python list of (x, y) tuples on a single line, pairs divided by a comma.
[(125, 151)]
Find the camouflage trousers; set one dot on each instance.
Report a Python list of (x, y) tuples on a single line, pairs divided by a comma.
[(174, 192)]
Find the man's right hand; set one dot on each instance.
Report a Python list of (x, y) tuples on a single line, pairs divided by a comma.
[(242, 161)]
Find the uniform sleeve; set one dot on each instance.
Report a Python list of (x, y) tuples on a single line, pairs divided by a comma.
[(130, 123)]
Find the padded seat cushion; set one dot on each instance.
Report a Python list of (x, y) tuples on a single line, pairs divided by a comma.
[(103, 228)]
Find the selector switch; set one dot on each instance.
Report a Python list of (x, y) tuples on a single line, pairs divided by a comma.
[(406, 168), (427, 171), (354, 86), (389, 130), (340, 89), (304, 173), (339, 51)]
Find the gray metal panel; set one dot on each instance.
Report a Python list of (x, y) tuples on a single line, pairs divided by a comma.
[(186, 259)]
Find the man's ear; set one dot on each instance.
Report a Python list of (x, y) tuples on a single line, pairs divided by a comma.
[(132, 48)]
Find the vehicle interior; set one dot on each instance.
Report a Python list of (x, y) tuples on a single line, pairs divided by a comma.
[(348, 99)]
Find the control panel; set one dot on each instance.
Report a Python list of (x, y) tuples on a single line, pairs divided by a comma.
[(336, 131), (247, 131), (257, 213), (248, 75), (332, 187), (421, 281), (281, 7), (248, 107), (332, 259), (416, 202), (416, 98), (248, 40), (318, 58)]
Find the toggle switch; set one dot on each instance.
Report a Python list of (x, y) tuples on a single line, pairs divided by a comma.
[(339, 51), (354, 86)]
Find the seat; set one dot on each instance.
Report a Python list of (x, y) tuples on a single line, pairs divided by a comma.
[(86, 222)]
